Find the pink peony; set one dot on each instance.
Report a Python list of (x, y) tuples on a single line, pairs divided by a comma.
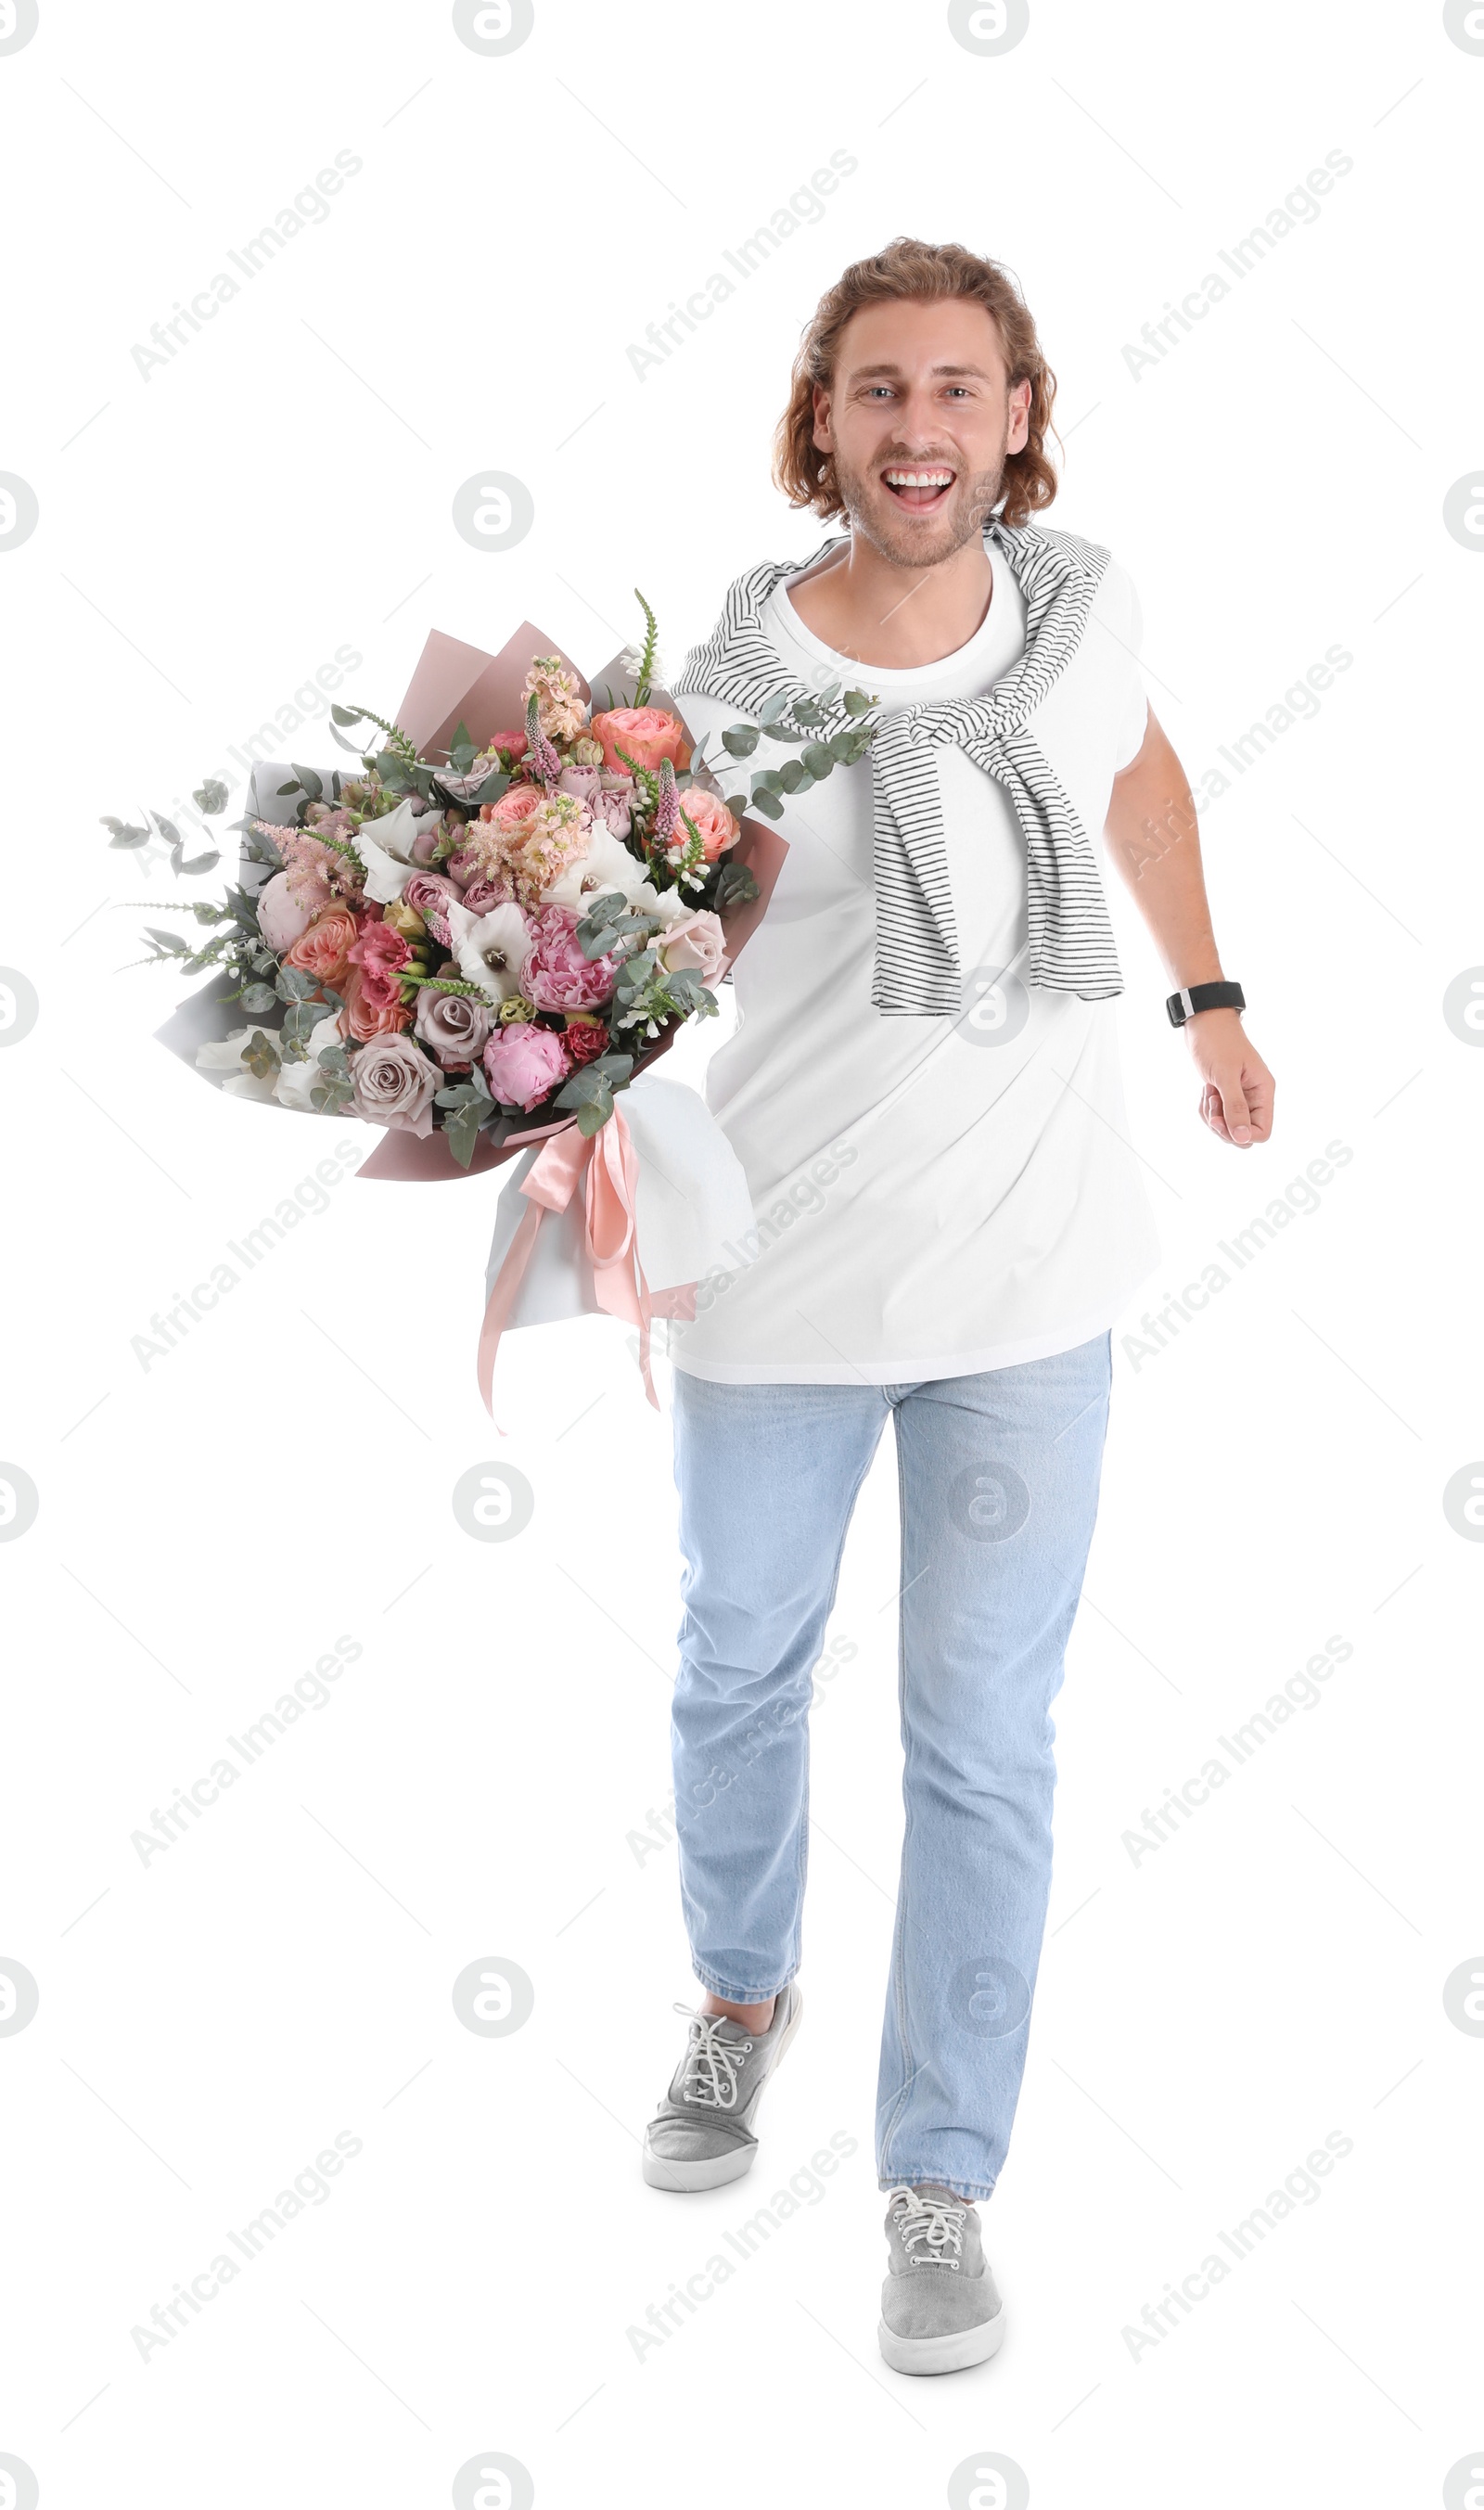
[(694, 941), (524, 1063), (557, 977), (286, 909)]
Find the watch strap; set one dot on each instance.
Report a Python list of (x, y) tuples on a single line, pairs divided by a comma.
[(1191, 999)]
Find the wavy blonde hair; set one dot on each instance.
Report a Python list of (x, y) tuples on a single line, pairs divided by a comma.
[(920, 273)]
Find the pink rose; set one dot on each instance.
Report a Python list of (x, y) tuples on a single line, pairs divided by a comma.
[(612, 804), (285, 910), (694, 941), (647, 733), (482, 894), (558, 976), (581, 780), (430, 896), (513, 744), (523, 1064), (718, 829)]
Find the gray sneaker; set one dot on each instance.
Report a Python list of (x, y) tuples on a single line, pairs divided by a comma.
[(702, 2134), (939, 2310)]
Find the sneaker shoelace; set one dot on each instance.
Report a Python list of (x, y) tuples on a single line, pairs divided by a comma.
[(713, 2062), (931, 2229)]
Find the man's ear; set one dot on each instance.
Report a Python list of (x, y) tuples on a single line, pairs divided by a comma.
[(824, 442), (1019, 416)]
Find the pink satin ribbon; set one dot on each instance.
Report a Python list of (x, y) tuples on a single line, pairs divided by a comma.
[(611, 1166)]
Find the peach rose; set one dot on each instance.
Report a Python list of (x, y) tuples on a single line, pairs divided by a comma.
[(513, 807), (718, 828), (323, 951), (647, 733), (366, 1018)]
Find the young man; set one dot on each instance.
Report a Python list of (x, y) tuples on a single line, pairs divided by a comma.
[(924, 1085)]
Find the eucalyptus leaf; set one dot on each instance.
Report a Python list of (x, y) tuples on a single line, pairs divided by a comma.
[(818, 759), (773, 708), (168, 829), (122, 835), (310, 783), (741, 739), (769, 804), (257, 998), (297, 984), (855, 702), (735, 887), (210, 797)]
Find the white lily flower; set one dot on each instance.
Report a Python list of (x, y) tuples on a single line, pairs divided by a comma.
[(491, 949), (606, 865), (385, 874)]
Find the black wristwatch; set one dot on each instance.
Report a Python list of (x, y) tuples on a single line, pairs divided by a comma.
[(1192, 999)]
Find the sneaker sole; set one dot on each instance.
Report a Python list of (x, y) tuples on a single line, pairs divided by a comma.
[(958, 2350), (689, 2178)]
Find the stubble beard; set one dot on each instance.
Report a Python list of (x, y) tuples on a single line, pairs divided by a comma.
[(900, 542)]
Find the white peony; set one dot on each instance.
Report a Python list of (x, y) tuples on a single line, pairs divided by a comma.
[(491, 949), (294, 1080)]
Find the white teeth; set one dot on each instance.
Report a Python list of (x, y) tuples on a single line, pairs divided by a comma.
[(919, 479)]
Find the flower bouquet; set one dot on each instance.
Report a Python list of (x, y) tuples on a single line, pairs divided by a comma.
[(482, 940), (485, 931)]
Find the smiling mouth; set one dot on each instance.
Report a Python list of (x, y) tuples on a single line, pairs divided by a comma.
[(924, 489)]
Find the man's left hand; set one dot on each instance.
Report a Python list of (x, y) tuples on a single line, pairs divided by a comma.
[(1237, 1096)]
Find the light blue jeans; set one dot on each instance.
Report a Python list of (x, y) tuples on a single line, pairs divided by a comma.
[(998, 1477)]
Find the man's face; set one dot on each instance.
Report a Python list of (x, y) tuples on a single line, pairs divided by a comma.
[(920, 418)]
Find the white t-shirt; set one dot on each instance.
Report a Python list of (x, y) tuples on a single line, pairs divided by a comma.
[(932, 1196)]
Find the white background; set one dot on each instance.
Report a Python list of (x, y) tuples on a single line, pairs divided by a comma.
[(211, 1523)]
